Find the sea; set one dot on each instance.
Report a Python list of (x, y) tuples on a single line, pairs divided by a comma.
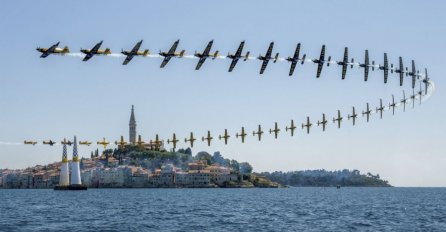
[(286, 209)]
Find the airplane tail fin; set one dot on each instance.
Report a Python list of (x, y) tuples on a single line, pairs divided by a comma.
[(351, 64), (328, 61), (107, 51), (407, 71), (303, 59), (246, 56), (182, 53), (391, 68), (146, 52), (215, 55), (276, 57), (66, 50), (373, 65)]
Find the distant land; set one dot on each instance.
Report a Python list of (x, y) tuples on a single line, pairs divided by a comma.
[(136, 166)]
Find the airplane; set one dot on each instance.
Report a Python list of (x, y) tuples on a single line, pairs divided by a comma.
[(157, 142), (380, 109), (208, 138), (404, 101), (53, 50), (308, 125), (291, 128), (191, 139), (366, 65), (49, 142), (242, 134), (30, 142), (171, 53), (344, 63), (258, 133), (95, 51), (69, 143), (276, 130), (238, 55), (338, 119), (268, 57), (140, 142), (414, 74), (295, 59), (367, 112), (412, 97), (121, 144), (174, 141), (104, 143), (323, 122), (321, 61), (203, 56), (400, 70), (353, 116), (385, 68), (225, 137), (425, 80), (420, 93), (392, 105), (134, 52), (87, 143)]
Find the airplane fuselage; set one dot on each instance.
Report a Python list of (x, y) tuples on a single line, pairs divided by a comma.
[(55, 51), (99, 52)]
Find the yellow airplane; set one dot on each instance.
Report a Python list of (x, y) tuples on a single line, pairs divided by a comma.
[(85, 143), (69, 143), (208, 138), (258, 133), (140, 142), (276, 130), (308, 125), (29, 142), (171, 53), (95, 51), (203, 56), (134, 52), (104, 143), (225, 137), (174, 141), (242, 134), (49, 142), (53, 50), (291, 128), (121, 144), (191, 139)]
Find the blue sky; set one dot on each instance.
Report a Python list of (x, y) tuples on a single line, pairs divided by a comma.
[(60, 97)]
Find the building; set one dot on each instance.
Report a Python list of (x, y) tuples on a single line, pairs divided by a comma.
[(132, 127)]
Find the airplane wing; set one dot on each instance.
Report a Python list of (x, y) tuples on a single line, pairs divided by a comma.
[(264, 64), (240, 49), (165, 61), (96, 47), (174, 47), (366, 68), (208, 48), (322, 56), (44, 55), (200, 62), (128, 59), (319, 69), (88, 56), (136, 47), (344, 63), (344, 70), (233, 63), (297, 51), (270, 50), (293, 66)]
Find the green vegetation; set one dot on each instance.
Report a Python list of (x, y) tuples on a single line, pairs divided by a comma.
[(323, 178)]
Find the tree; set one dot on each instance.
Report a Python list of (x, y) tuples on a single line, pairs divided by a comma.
[(245, 168)]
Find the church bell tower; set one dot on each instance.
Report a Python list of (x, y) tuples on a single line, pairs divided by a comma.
[(132, 127)]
